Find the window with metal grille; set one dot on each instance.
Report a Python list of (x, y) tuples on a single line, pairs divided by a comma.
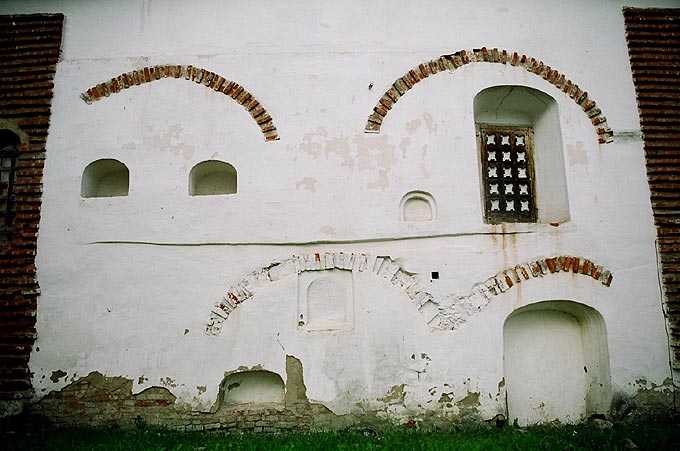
[(9, 150), (507, 173)]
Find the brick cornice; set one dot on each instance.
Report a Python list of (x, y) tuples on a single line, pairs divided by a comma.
[(203, 77), (451, 62)]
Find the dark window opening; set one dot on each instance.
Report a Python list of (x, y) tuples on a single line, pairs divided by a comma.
[(9, 151)]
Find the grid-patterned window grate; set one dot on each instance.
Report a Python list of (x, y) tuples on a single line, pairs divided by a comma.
[(8, 158), (507, 172)]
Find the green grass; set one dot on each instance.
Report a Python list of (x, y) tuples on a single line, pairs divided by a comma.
[(654, 436)]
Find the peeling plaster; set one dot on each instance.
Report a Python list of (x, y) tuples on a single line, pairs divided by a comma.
[(307, 183)]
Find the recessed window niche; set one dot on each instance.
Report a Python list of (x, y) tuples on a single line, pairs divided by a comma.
[(212, 177), (531, 109), (417, 206), (252, 387), (325, 300), (105, 178)]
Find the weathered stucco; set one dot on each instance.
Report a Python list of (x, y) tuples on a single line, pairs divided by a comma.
[(128, 283)]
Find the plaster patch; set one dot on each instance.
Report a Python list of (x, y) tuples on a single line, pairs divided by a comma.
[(382, 182), (374, 152), (328, 230), (168, 382), (310, 142), (429, 123), (56, 375), (576, 154), (307, 183), (341, 147), (395, 395), (167, 142), (469, 404), (412, 126), (403, 145), (424, 171)]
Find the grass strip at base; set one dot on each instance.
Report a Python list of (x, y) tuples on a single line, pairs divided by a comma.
[(652, 436)]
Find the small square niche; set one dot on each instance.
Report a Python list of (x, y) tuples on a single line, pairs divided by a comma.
[(325, 300)]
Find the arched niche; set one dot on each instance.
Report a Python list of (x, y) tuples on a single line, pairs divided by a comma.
[(325, 300), (417, 206), (105, 178), (252, 387), (212, 177), (556, 363), (529, 108)]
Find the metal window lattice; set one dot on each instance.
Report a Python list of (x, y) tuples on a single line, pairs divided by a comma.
[(507, 174), (8, 157)]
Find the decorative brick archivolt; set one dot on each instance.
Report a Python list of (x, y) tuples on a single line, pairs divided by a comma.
[(447, 313), (203, 77), (455, 60)]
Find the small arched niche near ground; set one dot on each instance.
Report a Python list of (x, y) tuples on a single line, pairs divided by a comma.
[(417, 206), (105, 178), (521, 106), (556, 363), (212, 177), (252, 387)]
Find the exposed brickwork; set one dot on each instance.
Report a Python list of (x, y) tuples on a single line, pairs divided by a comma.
[(29, 51), (449, 63), (96, 400), (654, 47), (203, 77), (440, 314), (453, 311)]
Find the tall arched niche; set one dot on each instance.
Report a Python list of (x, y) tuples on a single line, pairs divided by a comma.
[(556, 363)]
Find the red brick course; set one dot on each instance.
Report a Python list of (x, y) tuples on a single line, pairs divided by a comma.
[(203, 77), (455, 60)]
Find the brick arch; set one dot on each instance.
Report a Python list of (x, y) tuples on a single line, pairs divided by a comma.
[(455, 60), (454, 311), (203, 77), (447, 313)]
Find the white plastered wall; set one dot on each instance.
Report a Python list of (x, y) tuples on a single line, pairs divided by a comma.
[(128, 283)]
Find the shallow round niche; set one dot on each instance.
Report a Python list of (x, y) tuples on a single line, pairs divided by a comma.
[(252, 387), (105, 178), (210, 178), (417, 206)]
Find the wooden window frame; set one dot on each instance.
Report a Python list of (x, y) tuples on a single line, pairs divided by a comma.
[(505, 196)]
